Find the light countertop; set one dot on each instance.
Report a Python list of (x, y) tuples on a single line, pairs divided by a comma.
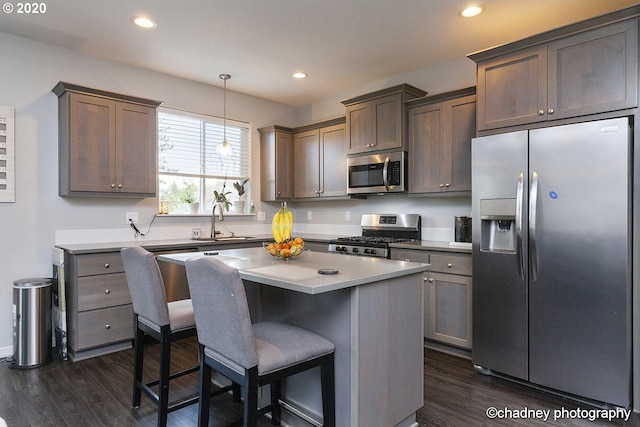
[(301, 273)]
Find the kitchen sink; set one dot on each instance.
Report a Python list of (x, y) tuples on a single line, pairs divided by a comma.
[(224, 239)]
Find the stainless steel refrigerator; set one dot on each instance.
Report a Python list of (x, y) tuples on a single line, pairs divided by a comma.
[(552, 258)]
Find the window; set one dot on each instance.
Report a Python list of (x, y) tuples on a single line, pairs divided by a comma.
[(190, 167)]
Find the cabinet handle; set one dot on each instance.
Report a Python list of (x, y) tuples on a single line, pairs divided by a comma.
[(541, 112), (107, 326), (107, 265), (550, 110), (107, 291), (449, 265)]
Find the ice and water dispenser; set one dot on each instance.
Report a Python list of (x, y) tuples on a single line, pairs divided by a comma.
[(498, 225)]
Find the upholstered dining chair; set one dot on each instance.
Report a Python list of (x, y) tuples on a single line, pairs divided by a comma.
[(250, 355), (165, 322)]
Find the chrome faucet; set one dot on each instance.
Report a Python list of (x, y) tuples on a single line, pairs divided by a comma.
[(213, 219)]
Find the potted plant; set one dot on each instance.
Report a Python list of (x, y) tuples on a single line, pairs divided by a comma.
[(221, 196), (240, 189), (188, 196)]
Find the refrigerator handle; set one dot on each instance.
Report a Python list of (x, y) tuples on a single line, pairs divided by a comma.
[(519, 221), (533, 206)]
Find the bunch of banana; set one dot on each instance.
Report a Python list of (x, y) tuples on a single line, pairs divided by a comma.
[(282, 224)]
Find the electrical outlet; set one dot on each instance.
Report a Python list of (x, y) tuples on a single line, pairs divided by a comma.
[(261, 216), (131, 216), (347, 216), (309, 215)]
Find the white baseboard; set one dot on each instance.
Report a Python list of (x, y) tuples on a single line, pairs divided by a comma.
[(6, 352)]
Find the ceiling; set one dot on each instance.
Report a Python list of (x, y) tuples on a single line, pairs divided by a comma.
[(341, 44)]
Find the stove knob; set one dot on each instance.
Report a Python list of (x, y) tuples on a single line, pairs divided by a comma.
[(366, 251), (373, 252), (355, 250)]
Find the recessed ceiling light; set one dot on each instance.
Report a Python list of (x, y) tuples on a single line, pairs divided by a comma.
[(471, 11), (299, 75), (143, 21)]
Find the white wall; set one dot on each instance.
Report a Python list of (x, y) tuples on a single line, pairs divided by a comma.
[(27, 227), (39, 217)]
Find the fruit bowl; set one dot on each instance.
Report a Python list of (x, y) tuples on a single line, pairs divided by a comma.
[(285, 250)]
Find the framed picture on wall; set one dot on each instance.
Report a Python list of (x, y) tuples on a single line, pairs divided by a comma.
[(7, 154)]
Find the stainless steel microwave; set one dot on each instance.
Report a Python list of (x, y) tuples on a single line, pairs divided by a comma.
[(377, 173)]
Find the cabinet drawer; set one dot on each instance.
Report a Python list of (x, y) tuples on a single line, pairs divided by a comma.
[(104, 326), (409, 255), (90, 264), (106, 290), (451, 263)]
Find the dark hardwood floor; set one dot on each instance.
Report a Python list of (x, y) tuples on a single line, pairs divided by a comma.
[(97, 392)]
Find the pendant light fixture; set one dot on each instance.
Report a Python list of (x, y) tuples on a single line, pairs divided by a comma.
[(225, 149)]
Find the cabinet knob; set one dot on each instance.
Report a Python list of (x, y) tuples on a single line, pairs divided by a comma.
[(447, 184), (449, 265), (441, 185), (107, 326), (119, 185), (113, 186), (550, 110), (541, 112), (107, 291), (430, 280), (107, 265), (407, 260)]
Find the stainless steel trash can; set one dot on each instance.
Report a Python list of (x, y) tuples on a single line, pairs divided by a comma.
[(31, 322)]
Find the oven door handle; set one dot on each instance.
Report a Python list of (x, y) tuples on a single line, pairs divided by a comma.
[(385, 173)]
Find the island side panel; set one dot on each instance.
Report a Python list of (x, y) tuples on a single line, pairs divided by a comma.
[(387, 367), (327, 314)]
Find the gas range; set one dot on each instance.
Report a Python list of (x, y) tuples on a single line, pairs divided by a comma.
[(378, 231)]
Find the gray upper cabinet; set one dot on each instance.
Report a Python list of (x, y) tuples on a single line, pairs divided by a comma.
[(320, 152), (107, 143), (377, 121), (440, 132), (276, 163), (582, 69)]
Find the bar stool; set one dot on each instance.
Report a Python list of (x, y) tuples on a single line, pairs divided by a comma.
[(165, 322), (250, 355)]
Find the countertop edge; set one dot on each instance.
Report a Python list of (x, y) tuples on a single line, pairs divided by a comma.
[(180, 244)]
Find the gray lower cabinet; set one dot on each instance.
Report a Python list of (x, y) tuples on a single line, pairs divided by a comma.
[(447, 295), (99, 310)]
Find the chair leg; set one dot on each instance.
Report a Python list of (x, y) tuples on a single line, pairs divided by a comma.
[(138, 349), (205, 389), (163, 385), (250, 394), (328, 392), (235, 390), (276, 388)]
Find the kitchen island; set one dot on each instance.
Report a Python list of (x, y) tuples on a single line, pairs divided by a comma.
[(371, 310)]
